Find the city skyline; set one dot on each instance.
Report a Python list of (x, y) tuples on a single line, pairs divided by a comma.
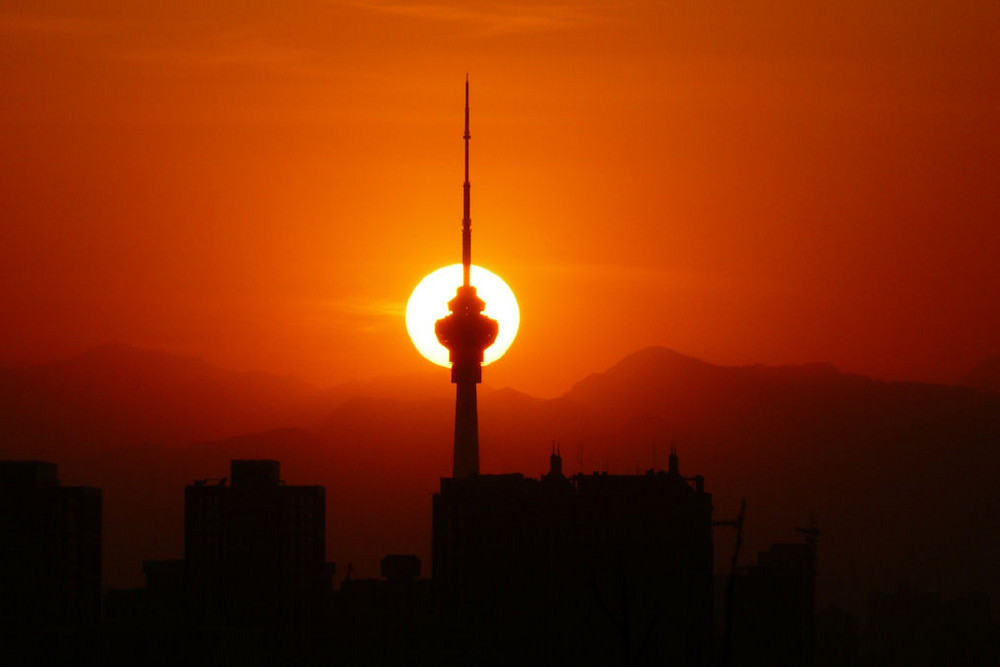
[(751, 252)]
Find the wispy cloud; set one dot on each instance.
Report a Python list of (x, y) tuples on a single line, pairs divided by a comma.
[(50, 25), (182, 45), (366, 308), (362, 316), (626, 274), (228, 50), (496, 16)]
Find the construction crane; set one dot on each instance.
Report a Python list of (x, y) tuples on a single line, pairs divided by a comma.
[(810, 534)]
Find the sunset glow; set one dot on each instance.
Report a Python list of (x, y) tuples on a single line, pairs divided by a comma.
[(429, 303), (207, 178)]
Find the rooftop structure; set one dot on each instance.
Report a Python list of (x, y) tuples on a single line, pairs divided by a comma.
[(620, 563)]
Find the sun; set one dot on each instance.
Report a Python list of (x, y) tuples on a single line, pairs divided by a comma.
[(429, 303)]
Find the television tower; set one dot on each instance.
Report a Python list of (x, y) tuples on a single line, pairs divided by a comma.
[(466, 333)]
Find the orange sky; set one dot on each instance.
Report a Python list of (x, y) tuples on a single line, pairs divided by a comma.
[(262, 184)]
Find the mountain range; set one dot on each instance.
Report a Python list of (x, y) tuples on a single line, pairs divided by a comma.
[(899, 477)]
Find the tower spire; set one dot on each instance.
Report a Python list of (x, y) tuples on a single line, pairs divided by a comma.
[(466, 333), (466, 187)]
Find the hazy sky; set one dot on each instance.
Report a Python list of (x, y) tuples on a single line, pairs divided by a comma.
[(262, 184)]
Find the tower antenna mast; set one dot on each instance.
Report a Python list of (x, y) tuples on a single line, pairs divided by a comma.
[(466, 187)]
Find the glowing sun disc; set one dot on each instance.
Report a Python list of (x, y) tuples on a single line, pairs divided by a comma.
[(429, 303)]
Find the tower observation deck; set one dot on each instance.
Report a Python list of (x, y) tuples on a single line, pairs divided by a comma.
[(466, 333)]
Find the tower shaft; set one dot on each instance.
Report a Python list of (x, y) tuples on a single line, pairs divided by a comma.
[(465, 461)]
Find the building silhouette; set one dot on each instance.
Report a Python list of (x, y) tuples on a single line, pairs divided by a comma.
[(837, 638), (254, 549), (606, 568), (774, 607), (386, 621), (918, 628), (50, 560)]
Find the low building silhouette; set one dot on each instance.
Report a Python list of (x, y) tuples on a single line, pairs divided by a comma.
[(594, 569), (774, 615), (386, 621), (837, 638), (917, 628), (254, 549), (50, 563)]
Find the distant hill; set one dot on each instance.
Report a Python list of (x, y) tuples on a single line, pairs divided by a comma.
[(899, 476), (985, 376), (117, 395)]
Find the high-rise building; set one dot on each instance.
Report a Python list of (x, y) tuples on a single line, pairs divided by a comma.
[(254, 549), (774, 609), (601, 565), (50, 560)]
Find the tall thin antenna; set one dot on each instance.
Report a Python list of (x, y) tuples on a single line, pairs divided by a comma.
[(466, 216)]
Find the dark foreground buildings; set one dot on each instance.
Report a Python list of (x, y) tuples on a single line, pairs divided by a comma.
[(254, 556), (773, 608), (585, 570), (253, 587), (254, 549), (593, 569), (50, 560)]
